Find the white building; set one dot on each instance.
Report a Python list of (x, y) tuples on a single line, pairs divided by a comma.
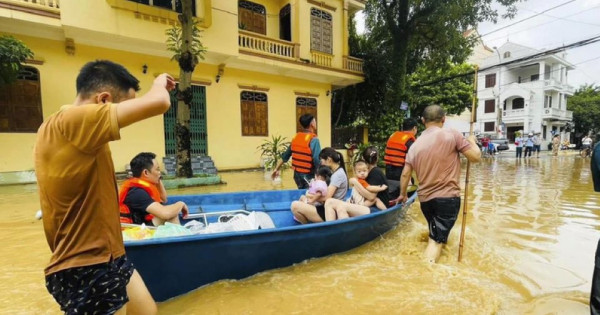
[(528, 96)]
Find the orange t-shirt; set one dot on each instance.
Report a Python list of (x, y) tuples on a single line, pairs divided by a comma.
[(77, 186), (363, 182)]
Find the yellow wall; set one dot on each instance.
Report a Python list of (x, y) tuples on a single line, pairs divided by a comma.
[(338, 27), (226, 146)]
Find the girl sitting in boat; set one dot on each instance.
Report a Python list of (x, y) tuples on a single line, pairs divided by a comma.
[(338, 209), (361, 170), (337, 188), (317, 188)]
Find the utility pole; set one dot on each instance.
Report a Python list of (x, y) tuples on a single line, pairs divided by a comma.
[(498, 98)]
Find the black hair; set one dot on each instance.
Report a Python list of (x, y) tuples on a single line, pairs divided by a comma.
[(334, 155), (305, 120), (141, 162), (409, 124), (104, 74), (325, 172), (370, 155), (433, 113)]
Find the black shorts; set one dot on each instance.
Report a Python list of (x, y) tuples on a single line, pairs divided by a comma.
[(321, 211), (95, 289), (441, 214)]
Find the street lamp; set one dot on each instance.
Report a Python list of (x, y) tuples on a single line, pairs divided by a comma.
[(499, 119)]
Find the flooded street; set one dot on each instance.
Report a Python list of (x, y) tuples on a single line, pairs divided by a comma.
[(531, 236)]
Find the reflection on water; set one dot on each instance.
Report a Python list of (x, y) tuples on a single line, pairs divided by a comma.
[(531, 235)]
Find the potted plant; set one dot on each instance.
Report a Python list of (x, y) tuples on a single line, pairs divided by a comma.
[(270, 152)]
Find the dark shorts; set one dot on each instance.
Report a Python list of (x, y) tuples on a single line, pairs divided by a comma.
[(321, 211), (302, 180), (441, 214), (96, 289)]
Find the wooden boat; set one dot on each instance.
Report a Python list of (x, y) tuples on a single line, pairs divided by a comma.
[(176, 265)]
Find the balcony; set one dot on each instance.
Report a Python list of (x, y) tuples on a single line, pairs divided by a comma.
[(259, 44), (513, 113), (557, 114), (555, 85), (353, 64), (50, 8)]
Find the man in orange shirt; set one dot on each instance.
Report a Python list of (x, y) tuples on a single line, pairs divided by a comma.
[(88, 270)]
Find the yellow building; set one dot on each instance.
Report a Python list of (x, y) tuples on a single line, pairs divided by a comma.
[(268, 61)]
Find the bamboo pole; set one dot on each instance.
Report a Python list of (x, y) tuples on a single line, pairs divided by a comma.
[(465, 203)]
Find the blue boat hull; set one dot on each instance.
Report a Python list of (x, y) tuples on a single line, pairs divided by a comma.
[(177, 265)]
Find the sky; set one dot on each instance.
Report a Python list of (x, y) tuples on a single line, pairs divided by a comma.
[(574, 21)]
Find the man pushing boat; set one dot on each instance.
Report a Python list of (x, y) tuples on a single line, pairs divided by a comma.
[(435, 159)]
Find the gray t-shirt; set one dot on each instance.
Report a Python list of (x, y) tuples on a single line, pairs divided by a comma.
[(339, 180)]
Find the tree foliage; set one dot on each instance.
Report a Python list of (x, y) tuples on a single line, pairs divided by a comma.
[(12, 54), (408, 43), (585, 104)]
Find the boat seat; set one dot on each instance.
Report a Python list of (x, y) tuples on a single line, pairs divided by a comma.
[(273, 206)]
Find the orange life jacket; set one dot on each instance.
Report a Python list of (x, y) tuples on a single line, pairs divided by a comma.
[(395, 150), (302, 161), (151, 189)]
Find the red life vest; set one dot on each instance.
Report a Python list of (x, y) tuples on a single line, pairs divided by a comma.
[(395, 150), (302, 161), (151, 189)]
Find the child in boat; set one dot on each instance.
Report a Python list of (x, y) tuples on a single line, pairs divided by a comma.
[(317, 188), (361, 170)]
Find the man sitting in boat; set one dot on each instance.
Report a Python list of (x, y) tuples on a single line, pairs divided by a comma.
[(395, 153), (142, 197)]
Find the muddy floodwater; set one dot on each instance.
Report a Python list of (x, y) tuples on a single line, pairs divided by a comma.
[(531, 235)]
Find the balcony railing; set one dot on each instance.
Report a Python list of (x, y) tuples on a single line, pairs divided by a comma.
[(353, 64), (513, 113), (555, 113), (44, 5), (321, 59), (257, 43)]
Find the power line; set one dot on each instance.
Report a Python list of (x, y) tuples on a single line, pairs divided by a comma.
[(564, 19), (528, 18), (548, 22), (518, 60)]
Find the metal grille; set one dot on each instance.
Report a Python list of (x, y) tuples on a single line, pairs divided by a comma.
[(305, 105), (197, 123)]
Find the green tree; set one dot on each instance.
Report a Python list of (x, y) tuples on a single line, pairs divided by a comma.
[(184, 41), (585, 104), (408, 43), (12, 54)]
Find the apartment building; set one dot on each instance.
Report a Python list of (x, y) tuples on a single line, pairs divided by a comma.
[(529, 95)]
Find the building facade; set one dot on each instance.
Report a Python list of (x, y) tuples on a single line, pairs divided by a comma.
[(526, 96), (268, 62)]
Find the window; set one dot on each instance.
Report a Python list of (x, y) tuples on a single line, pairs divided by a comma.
[(321, 38), (489, 126), (507, 54), (252, 17), (255, 114), (535, 77), (21, 103), (305, 105), (518, 103), (547, 70), (490, 106), (548, 101), (490, 80), (174, 5), (559, 100), (285, 23)]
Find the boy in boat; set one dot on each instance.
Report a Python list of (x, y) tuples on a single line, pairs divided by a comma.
[(141, 197), (435, 159), (361, 170), (88, 270)]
